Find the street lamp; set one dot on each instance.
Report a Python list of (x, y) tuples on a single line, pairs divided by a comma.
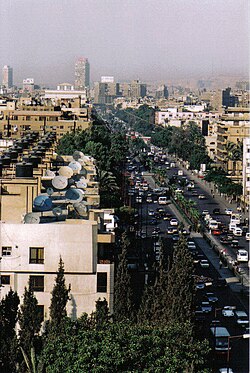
[(245, 336)]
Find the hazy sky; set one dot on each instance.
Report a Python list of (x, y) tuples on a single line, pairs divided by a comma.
[(146, 39)]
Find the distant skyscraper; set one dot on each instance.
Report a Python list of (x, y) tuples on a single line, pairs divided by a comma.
[(81, 73), (7, 76)]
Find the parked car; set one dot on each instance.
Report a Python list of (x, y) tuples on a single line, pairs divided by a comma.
[(248, 236), (242, 318), (204, 263), (174, 222), (206, 307)]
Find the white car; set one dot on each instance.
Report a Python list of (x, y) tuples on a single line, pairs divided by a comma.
[(191, 245), (242, 255), (227, 311), (174, 222), (248, 236), (242, 318), (237, 231), (204, 263), (228, 211)]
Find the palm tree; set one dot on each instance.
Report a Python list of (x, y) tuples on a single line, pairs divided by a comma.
[(107, 181), (234, 153)]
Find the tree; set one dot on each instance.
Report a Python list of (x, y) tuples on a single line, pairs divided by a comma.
[(123, 304), (124, 347), (8, 318), (101, 314), (60, 297), (30, 324), (180, 287)]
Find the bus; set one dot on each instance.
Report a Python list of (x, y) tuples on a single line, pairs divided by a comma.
[(220, 336)]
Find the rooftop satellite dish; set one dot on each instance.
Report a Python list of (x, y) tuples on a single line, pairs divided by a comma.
[(66, 171), (83, 171), (76, 166), (60, 182), (42, 203), (50, 191), (57, 211), (31, 218), (74, 195), (81, 208), (50, 173), (82, 183), (81, 161), (76, 155)]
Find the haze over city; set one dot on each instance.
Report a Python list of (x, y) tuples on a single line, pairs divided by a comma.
[(150, 40)]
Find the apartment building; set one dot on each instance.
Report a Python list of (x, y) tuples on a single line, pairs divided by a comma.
[(7, 73), (43, 220), (16, 123), (246, 172)]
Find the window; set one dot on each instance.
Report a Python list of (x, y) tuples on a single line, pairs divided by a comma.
[(36, 255), (37, 283), (40, 311), (6, 250), (5, 280), (101, 282)]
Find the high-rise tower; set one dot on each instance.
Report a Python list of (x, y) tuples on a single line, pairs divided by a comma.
[(81, 73), (7, 76)]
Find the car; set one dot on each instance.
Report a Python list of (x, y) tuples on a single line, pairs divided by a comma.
[(242, 318), (204, 263), (227, 311), (237, 231), (191, 245), (167, 216), (151, 213), (202, 196), (138, 199), (174, 222), (248, 236), (228, 211), (225, 370), (221, 282), (216, 211), (175, 237), (234, 243), (232, 226), (205, 212), (216, 232), (153, 222), (171, 230), (242, 256), (194, 193), (211, 297), (206, 307), (200, 285), (149, 199)]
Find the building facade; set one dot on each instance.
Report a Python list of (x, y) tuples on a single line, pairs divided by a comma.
[(82, 73), (7, 76)]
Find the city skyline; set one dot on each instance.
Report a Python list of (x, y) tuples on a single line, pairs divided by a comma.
[(158, 40)]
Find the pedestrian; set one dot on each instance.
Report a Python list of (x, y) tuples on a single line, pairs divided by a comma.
[(220, 263)]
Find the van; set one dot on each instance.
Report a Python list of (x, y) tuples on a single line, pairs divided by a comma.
[(242, 256), (162, 200)]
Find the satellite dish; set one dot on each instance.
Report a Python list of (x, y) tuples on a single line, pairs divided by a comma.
[(50, 191), (42, 203), (81, 161), (66, 171), (77, 155), (81, 208), (50, 173), (83, 171), (74, 195), (76, 166), (31, 218), (82, 183), (57, 211), (60, 182)]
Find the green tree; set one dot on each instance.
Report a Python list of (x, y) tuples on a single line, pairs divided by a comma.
[(180, 287), (101, 315), (8, 318), (123, 303), (60, 297), (30, 324)]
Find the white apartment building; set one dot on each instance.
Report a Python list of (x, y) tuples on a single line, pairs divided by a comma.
[(246, 171)]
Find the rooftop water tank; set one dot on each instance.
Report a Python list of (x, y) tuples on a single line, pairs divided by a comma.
[(24, 170)]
